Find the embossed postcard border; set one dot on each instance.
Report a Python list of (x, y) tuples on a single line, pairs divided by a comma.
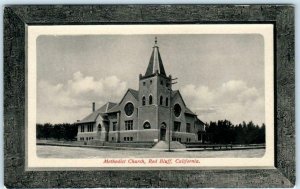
[(16, 18)]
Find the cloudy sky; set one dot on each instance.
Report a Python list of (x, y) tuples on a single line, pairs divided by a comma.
[(219, 76)]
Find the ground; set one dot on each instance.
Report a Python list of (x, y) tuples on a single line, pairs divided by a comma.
[(78, 152)]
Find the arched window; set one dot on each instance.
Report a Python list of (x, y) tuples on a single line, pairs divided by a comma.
[(167, 102), (99, 127), (144, 101), (150, 99), (161, 100), (147, 125)]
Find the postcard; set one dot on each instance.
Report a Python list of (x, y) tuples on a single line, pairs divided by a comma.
[(113, 97)]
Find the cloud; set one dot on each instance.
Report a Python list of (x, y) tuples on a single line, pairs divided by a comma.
[(71, 101), (67, 102), (233, 100), (104, 87)]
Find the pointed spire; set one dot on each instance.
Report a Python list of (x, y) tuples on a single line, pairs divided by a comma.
[(155, 63)]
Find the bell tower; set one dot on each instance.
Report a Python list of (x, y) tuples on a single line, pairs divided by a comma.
[(155, 91)]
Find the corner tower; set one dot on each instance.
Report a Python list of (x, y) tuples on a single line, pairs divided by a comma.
[(155, 91)]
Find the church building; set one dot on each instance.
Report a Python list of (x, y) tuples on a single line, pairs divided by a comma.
[(152, 113)]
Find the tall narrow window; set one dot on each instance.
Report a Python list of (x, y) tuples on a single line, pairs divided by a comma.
[(114, 126), (188, 127), (167, 101), (82, 128), (161, 100), (176, 126), (90, 127), (150, 99), (144, 101)]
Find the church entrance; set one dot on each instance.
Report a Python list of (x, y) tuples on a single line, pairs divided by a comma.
[(162, 134), (163, 130)]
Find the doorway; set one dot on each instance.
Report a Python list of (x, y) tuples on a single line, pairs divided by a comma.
[(162, 134), (163, 130)]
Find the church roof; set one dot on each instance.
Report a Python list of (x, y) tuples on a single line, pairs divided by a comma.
[(199, 121), (175, 93), (110, 105), (135, 93), (155, 63), (93, 116), (116, 107), (187, 111)]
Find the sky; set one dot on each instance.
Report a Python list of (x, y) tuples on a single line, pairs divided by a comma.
[(220, 76)]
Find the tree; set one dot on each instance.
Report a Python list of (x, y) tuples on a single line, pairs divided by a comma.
[(47, 130), (224, 132), (60, 131)]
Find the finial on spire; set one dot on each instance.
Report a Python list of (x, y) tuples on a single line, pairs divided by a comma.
[(155, 64)]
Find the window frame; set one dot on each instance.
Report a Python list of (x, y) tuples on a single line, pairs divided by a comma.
[(143, 101), (114, 125), (161, 98), (178, 125), (128, 125), (188, 125), (150, 99), (145, 124)]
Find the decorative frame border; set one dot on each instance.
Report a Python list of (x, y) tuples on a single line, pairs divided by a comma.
[(16, 18)]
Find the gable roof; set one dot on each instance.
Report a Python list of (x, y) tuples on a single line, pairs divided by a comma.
[(187, 111), (116, 107), (110, 105), (94, 115), (175, 93), (199, 121), (134, 93)]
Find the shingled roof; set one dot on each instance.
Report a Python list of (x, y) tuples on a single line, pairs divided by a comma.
[(93, 116), (155, 63)]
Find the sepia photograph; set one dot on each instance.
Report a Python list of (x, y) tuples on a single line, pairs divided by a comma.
[(171, 98), (158, 96)]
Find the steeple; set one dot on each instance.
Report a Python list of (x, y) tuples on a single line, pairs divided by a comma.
[(155, 63)]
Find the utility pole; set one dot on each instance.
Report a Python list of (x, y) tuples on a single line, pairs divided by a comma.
[(171, 114)]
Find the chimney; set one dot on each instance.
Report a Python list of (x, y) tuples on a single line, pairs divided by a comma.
[(93, 106)]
